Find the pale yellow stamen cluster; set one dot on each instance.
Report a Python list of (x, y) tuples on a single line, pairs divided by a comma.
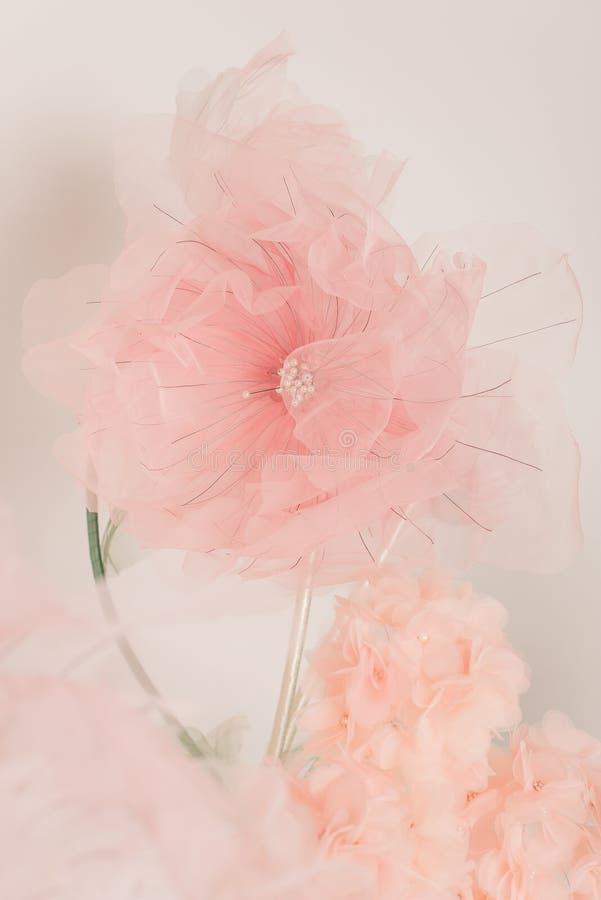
[(296, 380)]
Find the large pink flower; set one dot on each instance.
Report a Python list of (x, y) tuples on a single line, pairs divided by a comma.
[(273, 372)]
